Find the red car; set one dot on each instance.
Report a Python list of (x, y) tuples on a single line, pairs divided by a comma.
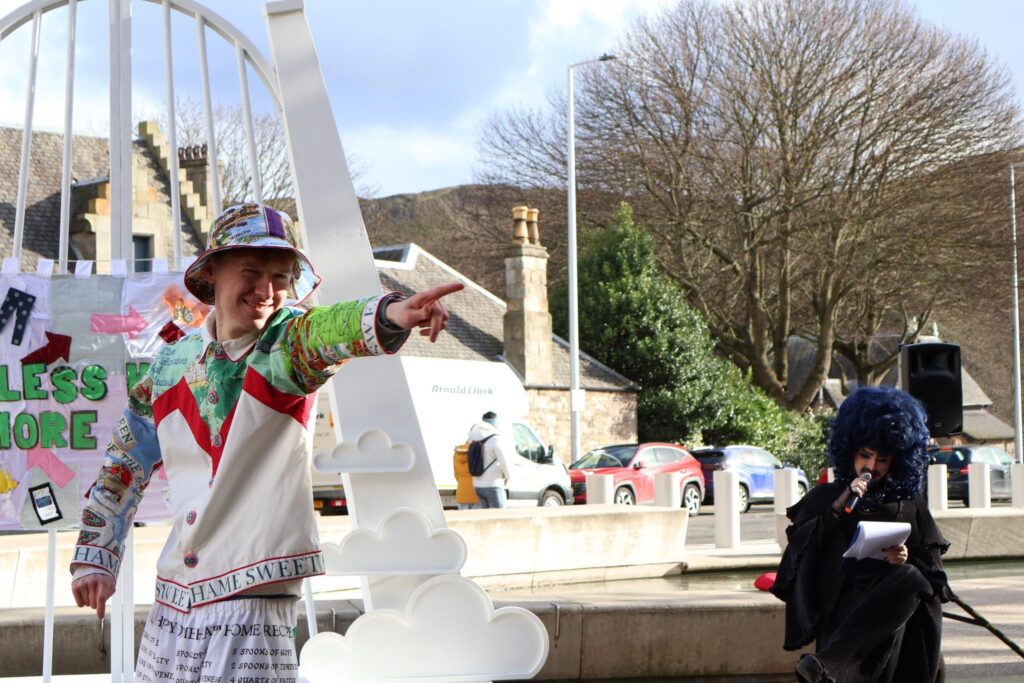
[(633, 467)]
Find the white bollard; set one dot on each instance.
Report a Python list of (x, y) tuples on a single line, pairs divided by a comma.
[(786, 494), (938, 488), (727, 509), (979, 484), (600, 489), (1017, 484), (781, 524), (668, 492), (786, 489)]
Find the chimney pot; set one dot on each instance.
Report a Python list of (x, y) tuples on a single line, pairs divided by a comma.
[(531, 223), (520, 233)]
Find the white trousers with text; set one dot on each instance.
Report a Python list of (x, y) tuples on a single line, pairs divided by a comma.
[(236, 641)]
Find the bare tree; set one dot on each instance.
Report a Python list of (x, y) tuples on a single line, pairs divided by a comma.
[(805, 164), (233, 153)]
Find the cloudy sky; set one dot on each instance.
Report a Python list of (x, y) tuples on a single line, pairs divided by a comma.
[(410, 81)]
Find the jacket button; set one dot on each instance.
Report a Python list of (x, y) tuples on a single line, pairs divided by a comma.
[(215, 440), (190, 518), (212, 396), (219, 353), (191, 560)]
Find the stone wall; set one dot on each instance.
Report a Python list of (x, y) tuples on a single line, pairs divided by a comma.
[(608, 417)]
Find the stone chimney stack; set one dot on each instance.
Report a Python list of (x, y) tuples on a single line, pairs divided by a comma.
[(527, 320), (194, 162)]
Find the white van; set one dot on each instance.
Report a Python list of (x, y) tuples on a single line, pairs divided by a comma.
[(449, 396)]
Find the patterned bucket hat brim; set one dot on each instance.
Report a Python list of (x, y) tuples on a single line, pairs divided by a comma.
[(246, 226)]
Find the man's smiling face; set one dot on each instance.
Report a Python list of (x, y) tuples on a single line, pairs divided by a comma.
[(250, 286)]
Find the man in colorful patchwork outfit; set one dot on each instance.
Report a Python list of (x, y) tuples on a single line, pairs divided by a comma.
[(224, 411)]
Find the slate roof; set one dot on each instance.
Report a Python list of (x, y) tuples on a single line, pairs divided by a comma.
[(981, 425), (89, 159), (476, 323)]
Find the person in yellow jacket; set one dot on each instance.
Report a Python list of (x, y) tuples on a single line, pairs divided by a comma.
[(465, 494)]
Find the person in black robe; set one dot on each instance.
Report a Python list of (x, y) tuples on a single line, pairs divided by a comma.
[(873, 620)]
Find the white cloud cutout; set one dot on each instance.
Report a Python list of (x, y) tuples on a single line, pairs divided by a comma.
[(372, 452), (450, 631), (405, 544)]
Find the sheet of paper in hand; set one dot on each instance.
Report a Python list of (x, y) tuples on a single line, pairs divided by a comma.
[(871, 537)]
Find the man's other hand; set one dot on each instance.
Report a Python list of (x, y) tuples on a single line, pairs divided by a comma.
[(93, 591), (423, 309)]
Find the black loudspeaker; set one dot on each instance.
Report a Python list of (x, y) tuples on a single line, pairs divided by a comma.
[(930, 372)]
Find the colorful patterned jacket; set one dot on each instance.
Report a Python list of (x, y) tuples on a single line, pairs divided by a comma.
[(228, 422)]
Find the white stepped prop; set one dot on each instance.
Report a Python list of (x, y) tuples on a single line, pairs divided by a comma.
[(449, 631), (406, 543), (372, 453)]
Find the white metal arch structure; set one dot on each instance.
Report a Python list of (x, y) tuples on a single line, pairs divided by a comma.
[(247, 54), (122, 655)]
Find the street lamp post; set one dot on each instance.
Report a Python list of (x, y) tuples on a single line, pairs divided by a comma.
[(575, 393), (1017, 470), (1017, 436)]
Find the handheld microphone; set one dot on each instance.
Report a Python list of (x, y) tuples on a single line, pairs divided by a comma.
[(851, 504)]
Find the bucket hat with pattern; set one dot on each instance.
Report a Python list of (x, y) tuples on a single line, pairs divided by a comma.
[(252, 225)]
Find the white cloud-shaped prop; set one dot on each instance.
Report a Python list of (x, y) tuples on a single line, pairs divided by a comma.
[(450, 631), (406, 543), (372, 452)]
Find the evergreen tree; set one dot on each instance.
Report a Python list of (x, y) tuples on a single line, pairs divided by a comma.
[(635, 320)]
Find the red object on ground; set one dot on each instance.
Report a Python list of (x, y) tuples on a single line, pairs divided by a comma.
[(765, 581)]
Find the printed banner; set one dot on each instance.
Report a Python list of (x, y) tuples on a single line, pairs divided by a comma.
[(69, 351)]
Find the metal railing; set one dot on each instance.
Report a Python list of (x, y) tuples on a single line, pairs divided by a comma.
[(121, 134)]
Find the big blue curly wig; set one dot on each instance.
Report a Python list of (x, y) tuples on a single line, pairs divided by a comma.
[(889, 421)]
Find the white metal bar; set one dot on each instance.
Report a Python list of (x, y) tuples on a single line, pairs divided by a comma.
[(226, 30), (126, 142), (21, 16), (1018, 424), (574, 337), (116, 188), (211, 135), (65, 177), (116, 613), (221, 26), (26, 140), (172, 134), (250, 136), (128, 609), (51, 572), (307, 594)]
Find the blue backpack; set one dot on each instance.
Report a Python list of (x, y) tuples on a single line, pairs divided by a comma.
[(476, 457)]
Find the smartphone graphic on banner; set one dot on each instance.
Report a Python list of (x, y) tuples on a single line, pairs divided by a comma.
[(45, 504)]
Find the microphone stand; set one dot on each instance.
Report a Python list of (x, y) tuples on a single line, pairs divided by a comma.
[(979, 620)]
